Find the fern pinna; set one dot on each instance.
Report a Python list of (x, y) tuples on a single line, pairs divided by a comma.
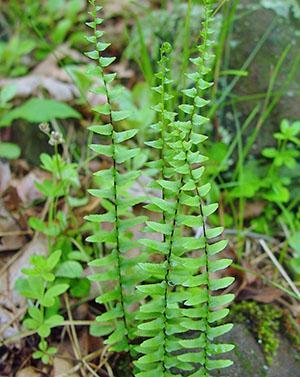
[(181, 290), (178, 292), (115, 267)]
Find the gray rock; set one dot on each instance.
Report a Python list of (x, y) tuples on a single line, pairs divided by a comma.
[(249, 27), (249, 360)]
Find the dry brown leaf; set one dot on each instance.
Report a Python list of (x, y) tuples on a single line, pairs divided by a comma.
[(11, 199), (49, 76), (63, 365), (28, 372), (5, 176), (9, 238), (265, 295), (32, 84), (26, 188), (8, 295), (6, 317), (254, 209)]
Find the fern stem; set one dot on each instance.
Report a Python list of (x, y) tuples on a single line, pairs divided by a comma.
[(166, 279), (117, 217), (207, 286)]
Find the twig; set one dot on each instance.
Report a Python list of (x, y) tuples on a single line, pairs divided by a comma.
[(16, 233), (249, 234), (73, 334), (25, 334), (264, 279), (280, 268), (87, 358)]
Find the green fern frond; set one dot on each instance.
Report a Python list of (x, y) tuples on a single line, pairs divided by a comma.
[(182, 296), (116, 270)]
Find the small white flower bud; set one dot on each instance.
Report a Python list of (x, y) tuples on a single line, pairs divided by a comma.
[(44, 127)]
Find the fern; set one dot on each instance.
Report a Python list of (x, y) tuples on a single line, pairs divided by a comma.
[(183, 298), (178, 292), (115, 267)]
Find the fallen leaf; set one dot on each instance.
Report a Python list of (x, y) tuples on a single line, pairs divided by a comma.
[(50, 77), (5, 176), (32, 84), (63, 365), (28, 372), (265, 295), (5, 317), (9, 229), (254, 209), (26, 187), (11, 199), (118, 7), (8, 295)]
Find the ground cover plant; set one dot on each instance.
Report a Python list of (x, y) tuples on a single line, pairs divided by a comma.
[(136, 198)]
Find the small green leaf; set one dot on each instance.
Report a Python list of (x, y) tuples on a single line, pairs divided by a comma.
[(117, 116), (54, 320), (9, 151), (221, 283), (102, 129), (102, 46), (199, 120), (219, 264), (204, 190), (198, 138), (209, 209), (119, 137), (218, 364), (152, 289), (214, 332), (216, 247), (80, 288), (105, 62), (106, 150), (221, 300), (190, 92), (214, 232), (187, 109), (69, 269), (159, 228), (153, 269), (44, 330), (200, 102), (53, 259), (124, 154), (39, 110)]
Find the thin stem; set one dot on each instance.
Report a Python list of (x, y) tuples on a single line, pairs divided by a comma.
[(166, 279), (117, 217)]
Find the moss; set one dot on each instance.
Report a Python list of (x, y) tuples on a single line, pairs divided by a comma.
[(264, 321)]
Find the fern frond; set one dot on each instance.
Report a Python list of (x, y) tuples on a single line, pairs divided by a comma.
[(116, 270), (182, 291), (155, 323), (202, 287)]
